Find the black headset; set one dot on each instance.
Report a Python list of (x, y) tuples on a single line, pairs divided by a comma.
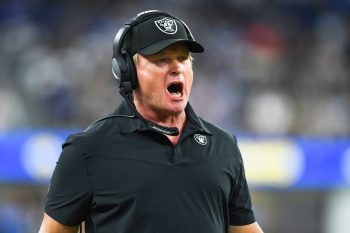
[(123, 67)]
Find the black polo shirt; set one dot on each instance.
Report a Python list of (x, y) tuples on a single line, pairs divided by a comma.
[(121, 177)]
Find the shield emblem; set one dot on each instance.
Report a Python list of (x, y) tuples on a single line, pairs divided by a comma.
[(166, 25), (200, 139)]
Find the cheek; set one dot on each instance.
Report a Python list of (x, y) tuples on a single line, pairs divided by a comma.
[(148, 82), (189, 80)]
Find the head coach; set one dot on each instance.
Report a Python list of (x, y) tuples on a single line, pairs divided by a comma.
[(153, 166)]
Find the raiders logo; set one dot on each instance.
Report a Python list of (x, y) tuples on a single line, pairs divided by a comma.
[(167, 26), (201, 139)]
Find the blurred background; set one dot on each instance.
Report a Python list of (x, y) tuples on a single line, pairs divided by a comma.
[(275, 72)]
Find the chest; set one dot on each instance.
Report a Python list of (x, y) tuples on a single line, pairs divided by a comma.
[(153, 170)]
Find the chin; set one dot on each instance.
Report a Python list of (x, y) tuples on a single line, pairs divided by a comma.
[(176, 110)]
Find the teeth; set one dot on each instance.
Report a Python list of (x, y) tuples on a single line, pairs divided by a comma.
[(175, 93)]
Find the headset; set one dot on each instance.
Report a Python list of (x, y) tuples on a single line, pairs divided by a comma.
[(123, 67)]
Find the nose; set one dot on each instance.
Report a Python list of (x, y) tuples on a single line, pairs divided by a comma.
[(176, 67)]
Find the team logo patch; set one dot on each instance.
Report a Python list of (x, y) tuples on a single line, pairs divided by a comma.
[(167, 26), (201, 139)]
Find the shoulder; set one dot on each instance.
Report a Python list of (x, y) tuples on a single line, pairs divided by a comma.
[(95, 133), (224, 144), (218, 132)]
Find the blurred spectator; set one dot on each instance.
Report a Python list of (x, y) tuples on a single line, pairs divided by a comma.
[(9, 220), (13, 112), (270, 112)]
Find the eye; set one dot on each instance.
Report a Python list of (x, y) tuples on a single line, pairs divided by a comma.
[(162, 60), (182, 58)]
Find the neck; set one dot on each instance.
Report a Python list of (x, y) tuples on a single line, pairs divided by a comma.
[(163, 119), (173, 139), (177, 120), (170, 121), (160, 116), (172, 131)]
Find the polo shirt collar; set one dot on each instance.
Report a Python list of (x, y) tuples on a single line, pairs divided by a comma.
[(194, 123), (129, 122)]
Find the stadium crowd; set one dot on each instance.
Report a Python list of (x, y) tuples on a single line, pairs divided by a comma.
[(272, 67)]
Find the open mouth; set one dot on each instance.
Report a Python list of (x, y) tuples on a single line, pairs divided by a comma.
[(175, 89)]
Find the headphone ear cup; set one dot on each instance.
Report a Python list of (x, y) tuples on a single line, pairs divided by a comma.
[(116, 70), (124, 71), (131, 74), (120, 72)]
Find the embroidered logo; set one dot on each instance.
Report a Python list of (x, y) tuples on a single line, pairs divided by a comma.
[(167, 26), (201, 139)]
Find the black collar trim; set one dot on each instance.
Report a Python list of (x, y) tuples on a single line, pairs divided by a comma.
[(128, 121)]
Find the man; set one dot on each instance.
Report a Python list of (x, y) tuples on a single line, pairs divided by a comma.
[(153, 166)]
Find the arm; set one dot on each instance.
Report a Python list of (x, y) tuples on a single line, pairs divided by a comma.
[(68, 198), (49, 225), (242, 219), (250, 228)]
